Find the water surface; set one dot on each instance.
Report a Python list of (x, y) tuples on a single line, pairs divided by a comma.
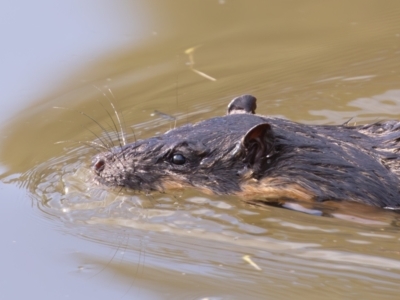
[(312, 62)]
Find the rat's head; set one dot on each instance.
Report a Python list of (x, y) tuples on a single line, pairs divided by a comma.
[(214, 155)]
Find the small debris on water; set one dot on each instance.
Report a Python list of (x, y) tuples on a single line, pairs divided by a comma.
[(248, 259)]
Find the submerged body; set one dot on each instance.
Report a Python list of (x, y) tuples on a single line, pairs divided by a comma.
[(264, 159)]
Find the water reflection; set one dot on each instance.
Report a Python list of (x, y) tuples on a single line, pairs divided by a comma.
[(311, 62), (378, 107), (187, 236)]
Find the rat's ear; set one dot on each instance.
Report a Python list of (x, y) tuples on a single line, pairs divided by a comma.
[(258, 145), (245, 104)]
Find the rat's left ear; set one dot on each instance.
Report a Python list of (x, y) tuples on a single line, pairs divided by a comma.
[(245, 104), (258, 144)]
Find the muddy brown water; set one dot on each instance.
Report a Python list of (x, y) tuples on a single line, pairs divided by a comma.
[(310, 61)]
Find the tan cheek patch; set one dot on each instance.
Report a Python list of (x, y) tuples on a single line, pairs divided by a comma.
[(273, 189), (266, 189), (170, 184)]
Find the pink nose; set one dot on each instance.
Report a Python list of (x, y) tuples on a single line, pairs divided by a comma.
[(99, 166)]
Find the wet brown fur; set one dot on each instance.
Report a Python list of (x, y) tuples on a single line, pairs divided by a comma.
[(264, 159)]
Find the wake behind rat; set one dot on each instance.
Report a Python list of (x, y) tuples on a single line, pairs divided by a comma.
[(263, 159)]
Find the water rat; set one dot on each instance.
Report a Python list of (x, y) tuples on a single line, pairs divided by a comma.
[(263, 158)]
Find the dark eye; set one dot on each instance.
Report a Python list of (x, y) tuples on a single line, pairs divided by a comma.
[(178, 159)]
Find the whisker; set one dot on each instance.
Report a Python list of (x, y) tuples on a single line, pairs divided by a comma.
[(347, 122), (94, 145), (112, 120), (115, 112), (118, 118), (108, 262), (134, 135), (103, 144), (166, 116)]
